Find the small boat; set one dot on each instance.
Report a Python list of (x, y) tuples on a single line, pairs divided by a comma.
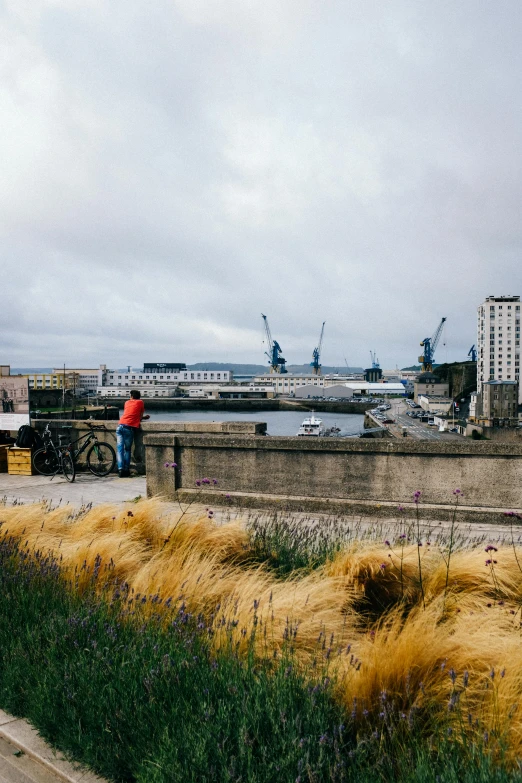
[(311, 427), (332, 432)]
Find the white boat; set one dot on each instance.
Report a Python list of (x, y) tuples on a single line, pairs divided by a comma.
[(311, 427)]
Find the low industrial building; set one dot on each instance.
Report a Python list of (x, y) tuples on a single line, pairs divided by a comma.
[(233, 392), (351, 390), (435, 404), (246, 392), (447, 423), (365, 389), (339, 391), (80, 379), (161, 375), (52, 380), (285, 383), (429, 385), (145, 391)]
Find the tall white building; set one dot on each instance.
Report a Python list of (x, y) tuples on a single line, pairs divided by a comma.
[(498, 340)]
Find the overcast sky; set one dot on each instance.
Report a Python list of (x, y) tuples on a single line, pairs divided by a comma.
[(172, 169)]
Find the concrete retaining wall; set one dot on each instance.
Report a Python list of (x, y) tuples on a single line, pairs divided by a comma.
[(250, 406), (78, 428), (314, 474)]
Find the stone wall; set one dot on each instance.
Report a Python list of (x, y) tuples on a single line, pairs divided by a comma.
[(250, 406), (77, 429), (320, 473)]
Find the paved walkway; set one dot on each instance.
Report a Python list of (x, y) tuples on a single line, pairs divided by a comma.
[(85, 489), (26, 758), (111, 489)]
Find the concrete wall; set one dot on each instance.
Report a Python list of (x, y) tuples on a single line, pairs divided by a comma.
[(371, 423), (318, 472), (78, 428), (250, 406)]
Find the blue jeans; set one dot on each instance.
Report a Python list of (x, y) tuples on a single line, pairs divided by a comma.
[(124, 438)]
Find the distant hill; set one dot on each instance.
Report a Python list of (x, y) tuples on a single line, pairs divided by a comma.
[(258, 369), (29, 370), (417, 367), (461, 376), (305, 369), (239, 369)]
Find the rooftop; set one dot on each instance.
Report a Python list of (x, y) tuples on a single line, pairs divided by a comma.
[(428, 377), (436, 398)]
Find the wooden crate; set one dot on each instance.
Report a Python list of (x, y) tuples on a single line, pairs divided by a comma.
[(19, 462), (3, 459)]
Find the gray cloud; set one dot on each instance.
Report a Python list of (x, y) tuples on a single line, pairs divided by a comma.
[(171, 171)]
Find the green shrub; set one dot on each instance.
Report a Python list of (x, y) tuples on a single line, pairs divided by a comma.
[(133, 689)]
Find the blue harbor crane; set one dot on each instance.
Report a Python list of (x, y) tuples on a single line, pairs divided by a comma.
[(275, 360), (429, 344), (375, 361), (315, 363), (472, 353)]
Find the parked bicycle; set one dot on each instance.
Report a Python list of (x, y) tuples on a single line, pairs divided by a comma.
[(100, 457), (52, 459)]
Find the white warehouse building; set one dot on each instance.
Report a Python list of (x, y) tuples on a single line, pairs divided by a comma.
[(351, 389), (285, 383), (141, 378), (145, 391)]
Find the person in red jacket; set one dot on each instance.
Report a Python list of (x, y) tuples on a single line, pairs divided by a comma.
[(130, 422)]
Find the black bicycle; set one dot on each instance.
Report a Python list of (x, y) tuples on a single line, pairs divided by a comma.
[(100, 457), (52, 459)]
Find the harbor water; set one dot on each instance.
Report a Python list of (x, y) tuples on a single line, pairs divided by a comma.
[(278, 422)]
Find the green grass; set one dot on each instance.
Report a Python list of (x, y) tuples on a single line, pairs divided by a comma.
[(145, 698), (293, 546)]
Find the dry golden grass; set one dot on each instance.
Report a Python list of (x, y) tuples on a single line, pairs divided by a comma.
[(459, 647)]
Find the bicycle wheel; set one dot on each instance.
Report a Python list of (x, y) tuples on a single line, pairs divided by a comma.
[(68, 467), (45, 462), (101, 459)]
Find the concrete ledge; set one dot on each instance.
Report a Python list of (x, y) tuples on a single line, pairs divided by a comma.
[(22, 735), (77, 428), (341, 507), (327, 470), (207, 440), (193, 427)]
